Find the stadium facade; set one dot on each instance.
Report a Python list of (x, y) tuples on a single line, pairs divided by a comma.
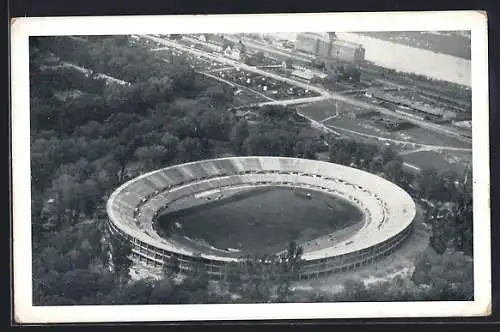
[(388, 210)]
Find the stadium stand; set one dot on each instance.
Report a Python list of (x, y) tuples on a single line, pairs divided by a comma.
[(388, 211)]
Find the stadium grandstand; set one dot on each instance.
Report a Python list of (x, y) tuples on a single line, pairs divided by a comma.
[(388, 211)]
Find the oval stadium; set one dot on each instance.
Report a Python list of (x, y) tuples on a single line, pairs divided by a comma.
[(223, 210)]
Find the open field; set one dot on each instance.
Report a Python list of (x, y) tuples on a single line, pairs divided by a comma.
[(436, 160), (415, 135), (320, 110), (361, 126), (261, 221), (424, 136), (325, 111), (403, 141)]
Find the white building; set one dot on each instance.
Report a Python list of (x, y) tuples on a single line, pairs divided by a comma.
[(233, 53)]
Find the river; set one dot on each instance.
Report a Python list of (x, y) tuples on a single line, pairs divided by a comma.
[(408, 59)]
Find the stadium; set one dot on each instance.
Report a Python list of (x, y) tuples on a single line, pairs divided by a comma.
[(387, 211)]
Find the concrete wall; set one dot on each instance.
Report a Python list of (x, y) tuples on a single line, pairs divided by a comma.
[(156, 257), (385, 225)]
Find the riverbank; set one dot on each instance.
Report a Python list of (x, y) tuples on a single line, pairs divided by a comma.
[(404, 58), (457, 44)]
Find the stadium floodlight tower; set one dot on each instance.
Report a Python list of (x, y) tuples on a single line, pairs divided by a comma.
[(332, 35)]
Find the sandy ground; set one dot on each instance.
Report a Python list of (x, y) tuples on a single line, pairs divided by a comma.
[(140, 270)]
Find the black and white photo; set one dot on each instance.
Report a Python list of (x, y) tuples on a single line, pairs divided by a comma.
[(256, 166)]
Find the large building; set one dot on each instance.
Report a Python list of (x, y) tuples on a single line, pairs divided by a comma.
[(328, 48), (414, 108), (388, 211)]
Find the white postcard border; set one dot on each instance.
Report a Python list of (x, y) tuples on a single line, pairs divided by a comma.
[(22, 28)]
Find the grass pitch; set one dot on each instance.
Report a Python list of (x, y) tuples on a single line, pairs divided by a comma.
[(259, 221)]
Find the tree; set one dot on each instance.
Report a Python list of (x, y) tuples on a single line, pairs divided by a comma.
[(340, 151), (121, 251), (388, 154), (240, 133), (290, 264), (197, 281), (293, 257), (452, 225), (138, 292), (162, 292), (354, 291), (428, 183), (49, 259), (78, 283), (220, 95), (172, 267), (190, 149), (43, 160), (170, 143), (305, 148), (257, 280), (183, 127), (213, 125), (155, 90), (393, 169), (42, 113), (65, 192), (449, 276), (89, 196), (151, 156)]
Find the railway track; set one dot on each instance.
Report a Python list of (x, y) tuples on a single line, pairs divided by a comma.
[(369, 71), (450, 95), (321, 91)]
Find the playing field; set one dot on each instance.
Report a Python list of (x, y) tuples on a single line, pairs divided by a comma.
[(324, 109), (260, 221)]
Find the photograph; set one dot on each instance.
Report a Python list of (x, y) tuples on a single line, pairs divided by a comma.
[(249, 167)]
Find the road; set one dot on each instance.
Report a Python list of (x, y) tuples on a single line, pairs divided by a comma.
[(238, 64), (295, 101), (322, 92), (427, 125), (99, 75)]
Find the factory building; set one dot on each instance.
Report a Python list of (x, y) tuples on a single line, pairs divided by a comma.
[(329, 48)]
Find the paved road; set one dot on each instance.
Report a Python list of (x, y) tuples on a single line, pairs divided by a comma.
[(238, 64), (424, 124), (99, 75), (295, 101), (322, 92), (421, 149)]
